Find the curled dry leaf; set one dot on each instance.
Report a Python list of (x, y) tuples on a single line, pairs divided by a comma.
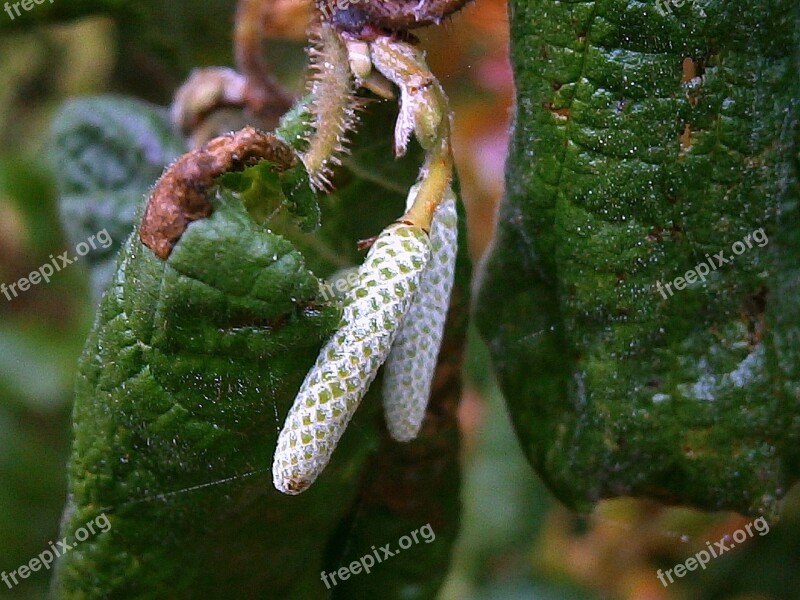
[(180, 195)]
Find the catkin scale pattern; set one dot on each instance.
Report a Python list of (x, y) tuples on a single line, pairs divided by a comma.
[(348, 363), (410, 367)]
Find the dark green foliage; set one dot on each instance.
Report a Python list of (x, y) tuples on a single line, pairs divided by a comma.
[(644, 143)]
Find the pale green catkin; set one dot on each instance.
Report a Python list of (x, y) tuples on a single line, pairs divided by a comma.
[(409, 370), (346, 366)]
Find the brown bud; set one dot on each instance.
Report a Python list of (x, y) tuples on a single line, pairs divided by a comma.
[(362, 17)]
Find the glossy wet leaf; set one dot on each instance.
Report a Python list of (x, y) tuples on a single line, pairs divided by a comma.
[(645, 144)]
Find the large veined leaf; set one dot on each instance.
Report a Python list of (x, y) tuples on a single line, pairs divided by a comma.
[(185, 380), (644, 145)]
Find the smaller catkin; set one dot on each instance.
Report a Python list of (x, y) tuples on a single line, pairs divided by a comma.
[(333, 105), (409, 370), (349, 361)]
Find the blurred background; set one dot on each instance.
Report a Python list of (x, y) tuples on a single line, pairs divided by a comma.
[(517, 542)]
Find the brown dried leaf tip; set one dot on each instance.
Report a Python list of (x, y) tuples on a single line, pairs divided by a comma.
[(180, 195)]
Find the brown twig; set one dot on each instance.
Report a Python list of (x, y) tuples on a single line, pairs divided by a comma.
[(264, 96)]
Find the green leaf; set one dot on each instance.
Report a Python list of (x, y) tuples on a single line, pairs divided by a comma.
[(259, 189), (626, 172), (303, 203), (196, 355), (264, 192)]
